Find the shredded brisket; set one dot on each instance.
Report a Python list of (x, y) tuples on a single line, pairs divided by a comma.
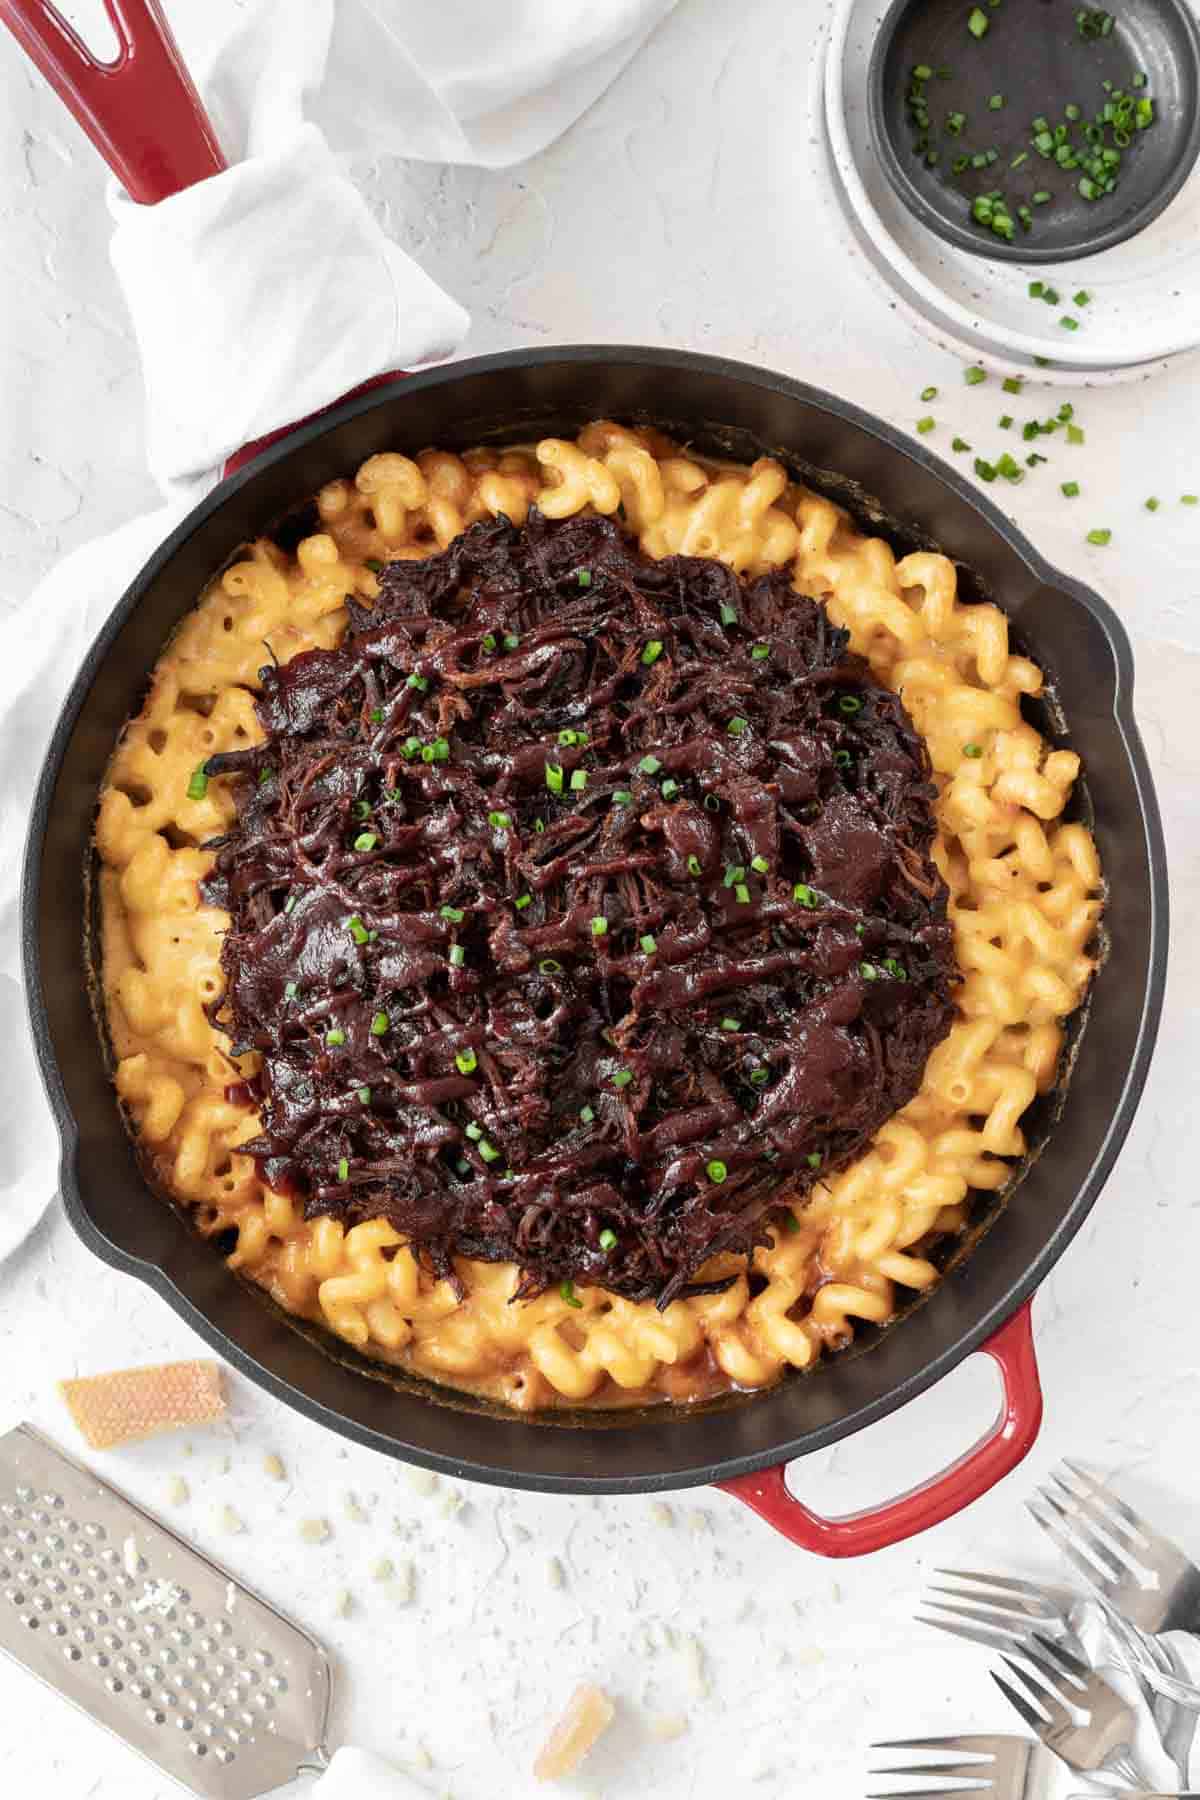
[(582, 908)]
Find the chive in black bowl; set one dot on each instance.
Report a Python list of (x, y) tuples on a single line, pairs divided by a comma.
[(988, 72)]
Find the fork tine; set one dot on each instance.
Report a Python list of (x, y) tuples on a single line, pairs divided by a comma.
[(1033, 1719), (1104, 1493), (979, 1743), (1049, 1666), (978, 1792), (1105, 1555), (1011, 1606), (1092, 1507), (1112, 1513), (993, 1640), (1058, 1653), (962, 1771), (1082, 1564), (1045, 1696), (1021, 1624), (1029, 1589)]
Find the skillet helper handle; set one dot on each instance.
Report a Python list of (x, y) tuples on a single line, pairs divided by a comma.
[(993, 1457), (359, 1775), (140, 110)]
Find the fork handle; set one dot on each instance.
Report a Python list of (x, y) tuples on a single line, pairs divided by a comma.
[(996, 1455)]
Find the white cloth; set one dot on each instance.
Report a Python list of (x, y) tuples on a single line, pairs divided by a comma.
[(1167, 1743), (260, 296)]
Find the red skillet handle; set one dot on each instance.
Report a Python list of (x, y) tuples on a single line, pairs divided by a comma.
[(993, 1457), (141, 110)]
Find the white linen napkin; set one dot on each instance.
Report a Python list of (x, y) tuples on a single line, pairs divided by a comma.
[(262, 295), (1167, 1744)]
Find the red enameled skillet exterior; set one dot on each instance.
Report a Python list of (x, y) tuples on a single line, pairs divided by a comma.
[(146, 119)]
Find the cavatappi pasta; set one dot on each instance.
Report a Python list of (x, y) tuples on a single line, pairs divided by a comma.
[(1025, 898)]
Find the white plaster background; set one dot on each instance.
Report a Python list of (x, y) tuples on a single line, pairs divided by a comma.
[(680, 211)]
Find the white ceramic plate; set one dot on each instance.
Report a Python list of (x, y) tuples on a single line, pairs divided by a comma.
[(842, 227), (1146, 292)]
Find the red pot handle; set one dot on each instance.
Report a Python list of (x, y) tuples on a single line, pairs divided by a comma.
[(248, 452), (993, 1457), (141, 110)]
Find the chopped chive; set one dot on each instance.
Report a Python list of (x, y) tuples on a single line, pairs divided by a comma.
[(868, 971), (599, 925), (693, 865), (567, 1290), (737, 725), (357, 929), (291, 990), (995, 102), (372, 563), (760, 865), (924, 426), (760, 652), (608, 1239), (729, 614), (1074, 435), (511, 641), (473, 1131), (669, 789), (587, 1115), (579, 781), (458, 956), (734, 872), (554, 777), (584, 577), (960, 444), (1005, 421), (984, 469), (197, 787), (978, 23), (466, 1061), (716, 1170), (1082, 298), (973, 750), (289, 905), (649, 765), (1068, 323), (379, 1025), (741, 893), (500, 821), (1012, 384), (622, 1078), (974, 375), (344, 1169), (361, 809), (1152, 505), (804, 894), (522, 901), (420, 682), (731, 1024), (929, 393), (649, 944), (455, 914), (335, 1037), (623, 797), (549, 966), (1100, 536), (366, 840), (652, 652), (488, 642), (1189, 499), (567, 737), (760, 1077), (488, 1151)]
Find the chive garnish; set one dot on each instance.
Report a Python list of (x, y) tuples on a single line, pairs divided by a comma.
[(335, 1037), (344, 1169), (693, 865), (716, 1170), (567, 1290), (599, 925), (466, 1061), (197, 787), (579, 781), (608, 1239), (1101, 535), (379, 1025), (652, 652)]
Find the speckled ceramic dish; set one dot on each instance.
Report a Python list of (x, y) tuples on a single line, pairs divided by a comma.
[(1144, 294)]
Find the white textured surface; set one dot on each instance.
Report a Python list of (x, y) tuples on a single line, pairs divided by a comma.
[(678, 211)]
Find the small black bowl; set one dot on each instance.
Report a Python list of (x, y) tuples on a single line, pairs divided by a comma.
[(1034, 56)]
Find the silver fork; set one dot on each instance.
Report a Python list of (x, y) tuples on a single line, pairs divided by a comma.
[(1074, 1712), (1004, 1768), (1147, 1584)]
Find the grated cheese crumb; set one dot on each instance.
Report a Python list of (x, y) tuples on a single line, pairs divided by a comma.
[(383, 1570), (667, 1727), (157, 1596), (453, 1502), (273, 1467), (588, 1715), (661, 1514), (422, 1482), (693, 1664), (420, 1757), (400, 1587), (697, 1520), (554, 1572), (343, 1604), (178, 1492), (353, 1510), (230, 1520), (315, 1531), (810, 1654)]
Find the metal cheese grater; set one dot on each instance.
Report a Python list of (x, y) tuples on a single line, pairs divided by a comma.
[(148, 1636)]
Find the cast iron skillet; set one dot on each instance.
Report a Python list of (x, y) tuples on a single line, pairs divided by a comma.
[(741, 1440)]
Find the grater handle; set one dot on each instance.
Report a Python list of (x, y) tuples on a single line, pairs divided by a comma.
[(359, 1775)]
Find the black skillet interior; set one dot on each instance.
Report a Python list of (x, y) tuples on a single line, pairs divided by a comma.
[(720, 407), (1033, 56)]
